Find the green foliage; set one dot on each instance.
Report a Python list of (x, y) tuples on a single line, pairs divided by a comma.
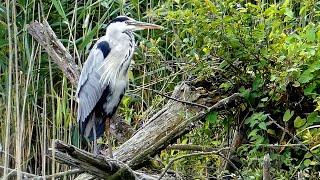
[(212, 117), (288, 115), (269, 52)]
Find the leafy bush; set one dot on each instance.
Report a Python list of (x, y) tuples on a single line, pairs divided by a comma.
[(270, 53)]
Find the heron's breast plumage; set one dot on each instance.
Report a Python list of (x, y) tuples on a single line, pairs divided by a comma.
[(115, 74)]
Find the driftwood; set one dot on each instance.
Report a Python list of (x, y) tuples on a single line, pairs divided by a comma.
[(100, 166), (174, 120), (170, 123), (55, 49)]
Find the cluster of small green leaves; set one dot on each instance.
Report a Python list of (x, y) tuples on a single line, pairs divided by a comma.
[(268, 51)]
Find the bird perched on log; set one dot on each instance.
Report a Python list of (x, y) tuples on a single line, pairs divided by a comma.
[(104, 77)]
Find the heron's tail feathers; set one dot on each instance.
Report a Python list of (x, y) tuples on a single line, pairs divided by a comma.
[(87, 127)]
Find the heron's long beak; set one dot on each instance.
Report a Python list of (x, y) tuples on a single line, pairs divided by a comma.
[(142, 25)]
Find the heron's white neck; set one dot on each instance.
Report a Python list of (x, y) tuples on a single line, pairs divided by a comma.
[(122, 46)]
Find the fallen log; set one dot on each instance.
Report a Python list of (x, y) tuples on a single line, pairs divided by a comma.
[(171, 122), (99, 166)]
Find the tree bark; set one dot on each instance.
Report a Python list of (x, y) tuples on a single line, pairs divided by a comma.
[(171, 122), (99, 166), (48, 40)]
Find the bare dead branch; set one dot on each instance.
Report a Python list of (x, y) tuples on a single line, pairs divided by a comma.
[(191, 147), (294, 138), (217, 152), (62, 174), (170, 123), (45, 36), (12, 172), (99, 166)]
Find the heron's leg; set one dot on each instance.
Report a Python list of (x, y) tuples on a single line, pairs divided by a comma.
[(95, 149), (109, 137)]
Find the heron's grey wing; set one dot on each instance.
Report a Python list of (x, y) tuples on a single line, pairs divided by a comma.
[(90, 87)]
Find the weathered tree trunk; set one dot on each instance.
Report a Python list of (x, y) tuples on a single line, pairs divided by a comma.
[(55, 49), (170, 123), (100, 166)]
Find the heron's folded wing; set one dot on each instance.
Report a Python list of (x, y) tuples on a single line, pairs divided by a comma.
[(90, 88)]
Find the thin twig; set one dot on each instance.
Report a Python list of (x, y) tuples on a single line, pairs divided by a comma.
[(294, 138), (65, 173), (10, 155), (14, 171), (273, 145), (218, 152), (175, 99), (231, 163), (191, 147)]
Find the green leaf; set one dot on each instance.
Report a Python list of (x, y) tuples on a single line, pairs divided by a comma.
[(271, 131), (314, 66), (256, 118), (253, 133), (308, 155), (302, 10), (263, 125), (298, 122), (307, 162), (313, 117), (313, 163), (226, 86), (287, 115), (58, 6), (310, 89), (289, 13), (305, 77), (310, 34), (257, 83), (212, 117), (245, 92)]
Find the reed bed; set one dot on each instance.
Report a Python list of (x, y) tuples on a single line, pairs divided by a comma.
[(37, 102)]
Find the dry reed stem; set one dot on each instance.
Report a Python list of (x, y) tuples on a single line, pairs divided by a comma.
[(8, 115)]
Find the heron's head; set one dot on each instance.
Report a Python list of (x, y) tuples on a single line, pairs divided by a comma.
[(124, 23)]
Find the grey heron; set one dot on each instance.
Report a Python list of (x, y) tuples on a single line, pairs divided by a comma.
[(104, 76)]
